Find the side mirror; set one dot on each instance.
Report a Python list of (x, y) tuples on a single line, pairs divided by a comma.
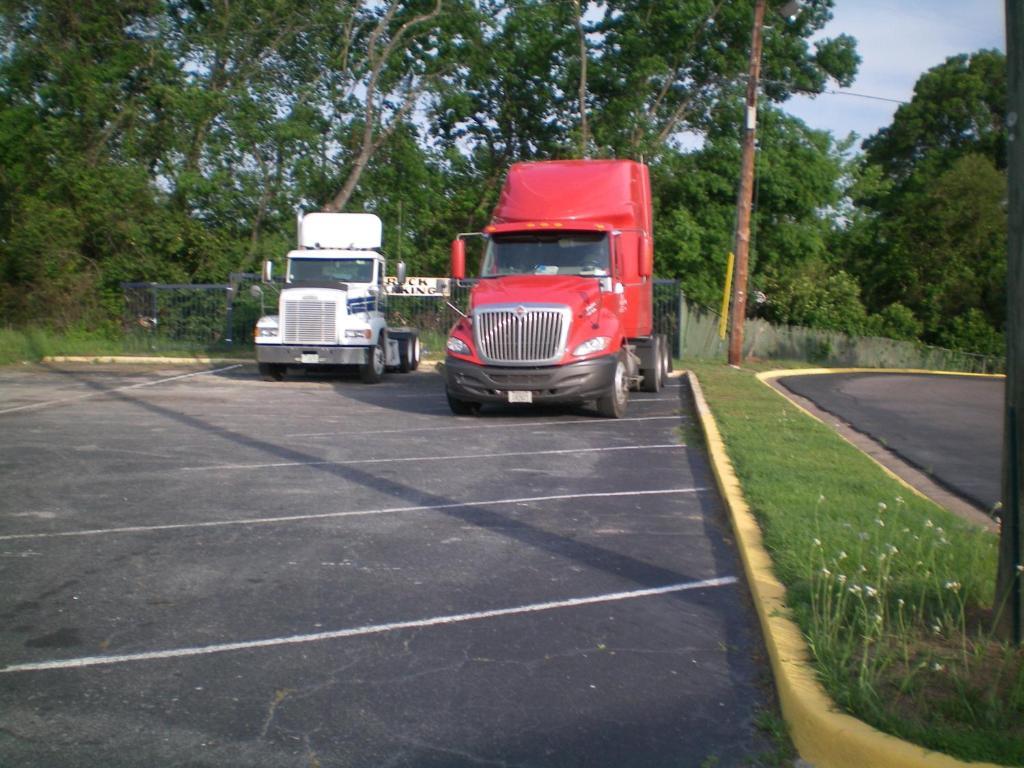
[(268, 271), (400, 273), (458, 259), (646, 266)]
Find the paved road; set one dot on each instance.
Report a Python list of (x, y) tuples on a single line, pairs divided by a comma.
[(216, 571), (948, 426)]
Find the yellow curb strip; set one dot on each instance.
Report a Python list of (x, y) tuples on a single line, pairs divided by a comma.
[(822, 735), (780, 373), (144, 360)]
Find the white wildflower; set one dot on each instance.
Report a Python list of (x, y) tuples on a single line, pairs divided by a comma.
[(826, 572), (880, 521), (842, 556), (817, 542), (842, 578), (882, 506), (929, 524), (936, 667), (871, 591), (952, 586), (892, 550)]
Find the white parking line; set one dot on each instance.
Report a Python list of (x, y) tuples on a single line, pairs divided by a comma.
[(328, 515), (373, 629), (117, 389), (479, 425), (457, 457)]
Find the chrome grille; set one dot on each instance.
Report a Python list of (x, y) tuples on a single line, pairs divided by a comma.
[(310, 321), (521, 335)]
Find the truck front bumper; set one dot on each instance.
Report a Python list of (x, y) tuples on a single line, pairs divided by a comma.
[(294, 355), (571, 383)]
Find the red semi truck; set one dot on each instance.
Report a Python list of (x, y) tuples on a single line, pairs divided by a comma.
[(562, 309)]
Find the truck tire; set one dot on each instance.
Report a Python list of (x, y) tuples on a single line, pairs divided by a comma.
[(271, 371), (654, 376), (409, 353), (613, 404), (462, 407), (372, 370)]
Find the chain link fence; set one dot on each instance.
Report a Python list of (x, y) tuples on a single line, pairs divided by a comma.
[(762, 340), (163, 318)]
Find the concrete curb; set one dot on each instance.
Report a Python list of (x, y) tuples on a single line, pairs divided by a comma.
[(118, 359), (822, 735), (145, 360)]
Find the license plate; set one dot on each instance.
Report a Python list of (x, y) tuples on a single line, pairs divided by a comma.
[(520, 396), (310, 357)]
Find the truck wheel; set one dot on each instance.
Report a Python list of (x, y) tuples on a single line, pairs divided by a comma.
[(654, 376), (613, 404), (271, 371), (409, 353), (372, 371), (666, 348), (463, 407)]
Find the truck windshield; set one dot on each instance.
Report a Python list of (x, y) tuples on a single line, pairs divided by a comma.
[(544, 253), (330, 271)]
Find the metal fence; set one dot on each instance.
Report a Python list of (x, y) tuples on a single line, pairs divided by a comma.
[(762, 340), (221, 317)]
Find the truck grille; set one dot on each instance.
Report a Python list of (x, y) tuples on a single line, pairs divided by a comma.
[(521, 335), (310, 321)]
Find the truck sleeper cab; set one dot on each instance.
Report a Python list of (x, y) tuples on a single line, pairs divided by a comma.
[(561, 311)]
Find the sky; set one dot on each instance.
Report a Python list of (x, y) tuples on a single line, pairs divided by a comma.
[(898, 41)]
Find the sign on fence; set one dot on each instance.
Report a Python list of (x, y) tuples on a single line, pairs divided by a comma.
[(418, 286)]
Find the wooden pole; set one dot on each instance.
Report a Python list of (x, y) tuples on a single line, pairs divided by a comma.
[(1010, 580), (745, 197)]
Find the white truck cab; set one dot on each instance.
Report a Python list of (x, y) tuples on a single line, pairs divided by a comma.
[(331, 307)]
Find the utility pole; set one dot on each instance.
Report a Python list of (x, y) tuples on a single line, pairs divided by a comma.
[(745, 197), (1010, 581)]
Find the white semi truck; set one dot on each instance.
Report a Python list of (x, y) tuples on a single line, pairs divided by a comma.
[(331, 307)]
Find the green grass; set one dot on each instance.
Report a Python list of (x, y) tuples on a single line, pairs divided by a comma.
[(29, 345), (893, 593), (33, 344)]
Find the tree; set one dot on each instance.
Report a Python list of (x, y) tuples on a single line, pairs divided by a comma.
[(663, 68)]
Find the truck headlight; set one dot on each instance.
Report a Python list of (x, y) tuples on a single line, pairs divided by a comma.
[(590, 346), (358, 333), (458, 346), (266, 328)]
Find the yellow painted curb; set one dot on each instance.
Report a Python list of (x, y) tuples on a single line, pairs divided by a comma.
[(778, 374), (144, 360), (822, 735)]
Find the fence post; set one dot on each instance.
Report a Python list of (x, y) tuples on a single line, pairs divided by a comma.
[(230, 291), (681, 299)]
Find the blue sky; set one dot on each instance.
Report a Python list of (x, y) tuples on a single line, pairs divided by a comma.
[(898, 41)]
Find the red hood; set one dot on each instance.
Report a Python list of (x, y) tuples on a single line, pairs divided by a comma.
[(576, 292)]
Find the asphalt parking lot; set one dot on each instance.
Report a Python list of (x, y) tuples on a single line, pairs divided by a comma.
[(201, 568)]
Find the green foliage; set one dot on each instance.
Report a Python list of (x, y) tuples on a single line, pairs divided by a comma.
[(816, 297), (894, 322)]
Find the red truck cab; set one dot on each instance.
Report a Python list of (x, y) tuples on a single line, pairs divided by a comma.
[(561, 311)]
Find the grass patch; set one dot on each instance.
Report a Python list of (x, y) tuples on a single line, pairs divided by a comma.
[(893, 593), (30, 345)]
